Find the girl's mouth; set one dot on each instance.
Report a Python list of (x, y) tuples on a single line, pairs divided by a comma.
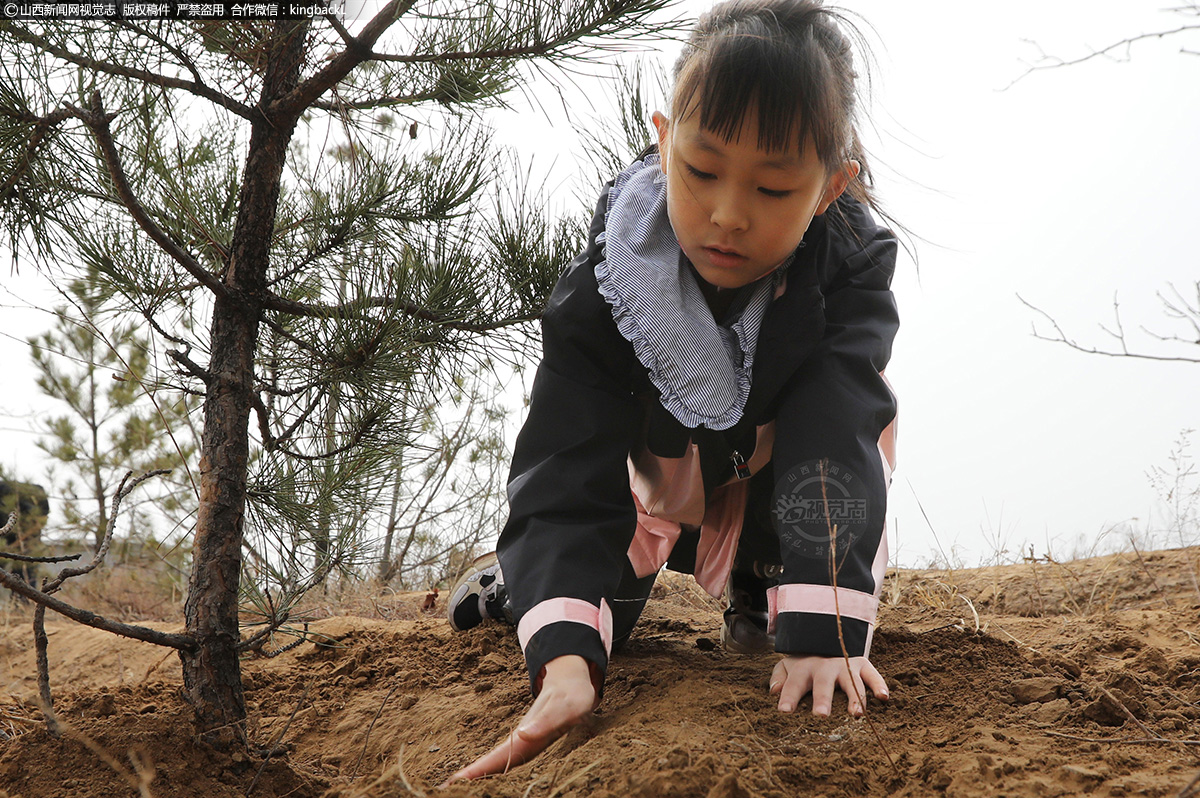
[(723, 258)]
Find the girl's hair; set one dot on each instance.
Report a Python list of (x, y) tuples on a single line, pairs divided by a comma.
[(791, 61)]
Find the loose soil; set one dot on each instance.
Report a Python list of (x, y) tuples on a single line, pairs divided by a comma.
[(1035, 679)]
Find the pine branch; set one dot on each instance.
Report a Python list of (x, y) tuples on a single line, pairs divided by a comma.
[(40, 130), (98, 122), (264, 422), (379, 102), (615, 17), (358, 50), (195, 87), (190, 366), (278, 329), (354, 308), (183, 57)]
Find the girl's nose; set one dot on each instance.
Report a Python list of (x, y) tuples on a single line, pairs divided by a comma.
[(728, 214)]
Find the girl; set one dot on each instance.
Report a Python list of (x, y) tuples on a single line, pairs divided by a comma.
[(710, 395)]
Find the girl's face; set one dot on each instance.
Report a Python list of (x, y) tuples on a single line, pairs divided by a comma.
[(739, 211)]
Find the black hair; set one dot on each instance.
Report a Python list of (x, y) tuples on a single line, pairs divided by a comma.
[(790, 60)]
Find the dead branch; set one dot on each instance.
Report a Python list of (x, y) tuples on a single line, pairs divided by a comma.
[(190, 366), (27, 558), (1061, 337), (119, 496), (45, 599), (1046, 61), (43, 669)]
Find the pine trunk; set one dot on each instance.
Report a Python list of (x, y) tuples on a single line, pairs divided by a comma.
[(212, 673)]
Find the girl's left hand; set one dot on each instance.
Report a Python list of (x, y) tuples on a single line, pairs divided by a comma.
[(794, 677)]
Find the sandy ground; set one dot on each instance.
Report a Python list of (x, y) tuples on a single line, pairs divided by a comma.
[(1037, 679)]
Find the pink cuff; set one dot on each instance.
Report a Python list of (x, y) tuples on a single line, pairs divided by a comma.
[(821, 599), (568, 609)]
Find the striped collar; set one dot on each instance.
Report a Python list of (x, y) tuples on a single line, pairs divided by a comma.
[(701, 369)]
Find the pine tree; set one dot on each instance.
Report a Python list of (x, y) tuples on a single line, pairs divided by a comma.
[(166, 157), (115, 422)]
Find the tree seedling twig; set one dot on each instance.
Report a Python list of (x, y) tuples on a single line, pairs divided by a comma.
[(833, 572)]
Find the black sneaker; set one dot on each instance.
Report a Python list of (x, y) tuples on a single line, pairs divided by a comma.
[(744, 630), (479, 595)]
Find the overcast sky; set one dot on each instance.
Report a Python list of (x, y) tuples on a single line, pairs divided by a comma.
[(1068, 188)]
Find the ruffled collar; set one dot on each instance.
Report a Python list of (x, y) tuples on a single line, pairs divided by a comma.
[(701, 369)]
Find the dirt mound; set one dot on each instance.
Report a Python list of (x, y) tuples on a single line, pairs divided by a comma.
[(1028, 680)]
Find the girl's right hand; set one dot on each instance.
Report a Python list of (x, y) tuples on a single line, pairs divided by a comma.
[(567, 696)]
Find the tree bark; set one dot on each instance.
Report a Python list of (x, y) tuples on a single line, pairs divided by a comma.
[(212, 672)]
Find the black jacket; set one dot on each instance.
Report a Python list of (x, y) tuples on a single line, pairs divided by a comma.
[(817, 373)]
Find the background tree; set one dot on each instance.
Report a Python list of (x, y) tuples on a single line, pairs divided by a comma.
[(448, 491), (164, 156), (115, 421)]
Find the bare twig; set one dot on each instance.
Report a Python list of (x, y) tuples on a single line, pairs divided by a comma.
[(1060, 337), (122, 492), (11, 523), (1053, 62), (88, 618), (139, 781), (367, 737), (833, 571), (1124, 740), (404, 776), (43, 671), (278, 739), (26, 558), (1166, 599), (1191, 789), (44, 598)]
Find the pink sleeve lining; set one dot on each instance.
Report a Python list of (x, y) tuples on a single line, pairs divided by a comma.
[(821, 599), (567, 609)]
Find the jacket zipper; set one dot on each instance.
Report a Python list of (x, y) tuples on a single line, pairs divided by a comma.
[(740, 467)]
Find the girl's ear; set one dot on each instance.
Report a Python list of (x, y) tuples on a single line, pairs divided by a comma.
[(837, 184), (664, 137)]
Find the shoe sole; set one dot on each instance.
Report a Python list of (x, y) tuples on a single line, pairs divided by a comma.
[(464, 585)]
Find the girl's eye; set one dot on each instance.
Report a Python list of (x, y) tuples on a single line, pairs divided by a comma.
[(776, 194), (694, 172)]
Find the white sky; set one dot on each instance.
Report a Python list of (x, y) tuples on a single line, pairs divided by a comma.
[(1069, 187)]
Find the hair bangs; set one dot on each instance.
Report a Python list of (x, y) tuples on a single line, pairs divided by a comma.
[(752, 71)]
